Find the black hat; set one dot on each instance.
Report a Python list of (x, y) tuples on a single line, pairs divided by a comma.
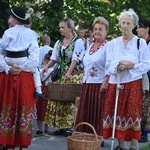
[(20, 14)]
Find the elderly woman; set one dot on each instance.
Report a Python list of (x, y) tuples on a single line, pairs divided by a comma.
[(126, 58), (143, 31), (91, 106)]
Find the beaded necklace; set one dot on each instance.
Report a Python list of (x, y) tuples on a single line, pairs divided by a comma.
[(92, 50)]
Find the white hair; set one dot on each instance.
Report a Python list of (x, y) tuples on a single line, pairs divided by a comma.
[(130, 13)]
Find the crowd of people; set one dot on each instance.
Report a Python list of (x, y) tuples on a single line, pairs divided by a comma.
[(102, 67)]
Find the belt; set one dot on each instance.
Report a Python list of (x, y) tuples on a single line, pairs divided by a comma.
[(16, 54)]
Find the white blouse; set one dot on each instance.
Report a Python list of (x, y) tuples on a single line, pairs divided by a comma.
[(116, 51), (43, 51), (19, 38), (94, 65)]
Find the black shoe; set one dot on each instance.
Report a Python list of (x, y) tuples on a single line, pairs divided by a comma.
[(40, 96), (102, 144), (46, 132), (4, 148), (60, 132), (38, 132), (144, 138), (68, 132)]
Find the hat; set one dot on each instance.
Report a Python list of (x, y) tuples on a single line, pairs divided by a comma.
[(20, 14)]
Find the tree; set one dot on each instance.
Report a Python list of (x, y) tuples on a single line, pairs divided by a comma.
[(48, 13)]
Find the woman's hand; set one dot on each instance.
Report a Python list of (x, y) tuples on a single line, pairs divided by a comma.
[(14, 70), (127, 64), (68, 75), (122, 67), (44, 70), (104, 85)]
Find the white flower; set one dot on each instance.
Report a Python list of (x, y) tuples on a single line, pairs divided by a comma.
[(29, 13)]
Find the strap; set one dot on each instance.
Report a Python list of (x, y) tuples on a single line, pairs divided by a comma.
[(138, 43)]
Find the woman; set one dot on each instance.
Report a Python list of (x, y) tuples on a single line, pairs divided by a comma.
[(70, 50), (18, 59), (91, 105), (123, 55), (143, 31)]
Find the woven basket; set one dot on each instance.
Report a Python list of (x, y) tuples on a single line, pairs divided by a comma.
[(63, 92), (84, 141)]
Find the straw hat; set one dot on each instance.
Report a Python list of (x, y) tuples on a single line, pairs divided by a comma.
[(20, 14)]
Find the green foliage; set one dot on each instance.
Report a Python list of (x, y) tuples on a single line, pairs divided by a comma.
[(83, 12)]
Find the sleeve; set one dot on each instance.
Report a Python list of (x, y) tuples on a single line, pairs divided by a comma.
[(144, 58), (111, 63), (40, 57), (78, 50), (3, 44), (55, 52)]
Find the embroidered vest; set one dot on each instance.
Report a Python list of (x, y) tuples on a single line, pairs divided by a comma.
[(65, 55)]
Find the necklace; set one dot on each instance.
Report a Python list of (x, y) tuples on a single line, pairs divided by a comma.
[(93, 50), (66, 42)]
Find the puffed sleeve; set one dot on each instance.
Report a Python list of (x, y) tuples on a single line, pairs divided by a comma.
[(3, 44), (111, 63), (55, 52), (144, 58), (78, 50)]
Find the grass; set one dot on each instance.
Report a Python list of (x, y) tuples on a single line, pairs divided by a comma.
[(145, 148)]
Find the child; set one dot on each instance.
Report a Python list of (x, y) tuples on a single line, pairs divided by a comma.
[(42, 105)]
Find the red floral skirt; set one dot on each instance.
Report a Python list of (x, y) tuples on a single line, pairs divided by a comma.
[(16, 109), (91, 108), (129, 109)]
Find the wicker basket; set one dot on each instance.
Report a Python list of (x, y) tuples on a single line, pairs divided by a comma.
[(63, 92), (84, 141)]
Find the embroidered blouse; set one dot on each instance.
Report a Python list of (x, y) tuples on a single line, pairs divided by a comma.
[(116, 51), (94, 65)]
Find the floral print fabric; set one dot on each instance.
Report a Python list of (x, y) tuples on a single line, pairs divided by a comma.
[(61, 114), (128, 117), (16, 109)]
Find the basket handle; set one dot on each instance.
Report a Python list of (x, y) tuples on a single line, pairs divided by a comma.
[(85, 123)]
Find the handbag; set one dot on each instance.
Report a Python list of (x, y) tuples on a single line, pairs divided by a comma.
[(56, 73)]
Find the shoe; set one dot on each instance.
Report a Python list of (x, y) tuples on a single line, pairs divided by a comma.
[(38, 132), (102, 144), (68, 132), (46, 132), (144, 138), (4, 148), (40, 96), (60, 132), (118, 148)]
